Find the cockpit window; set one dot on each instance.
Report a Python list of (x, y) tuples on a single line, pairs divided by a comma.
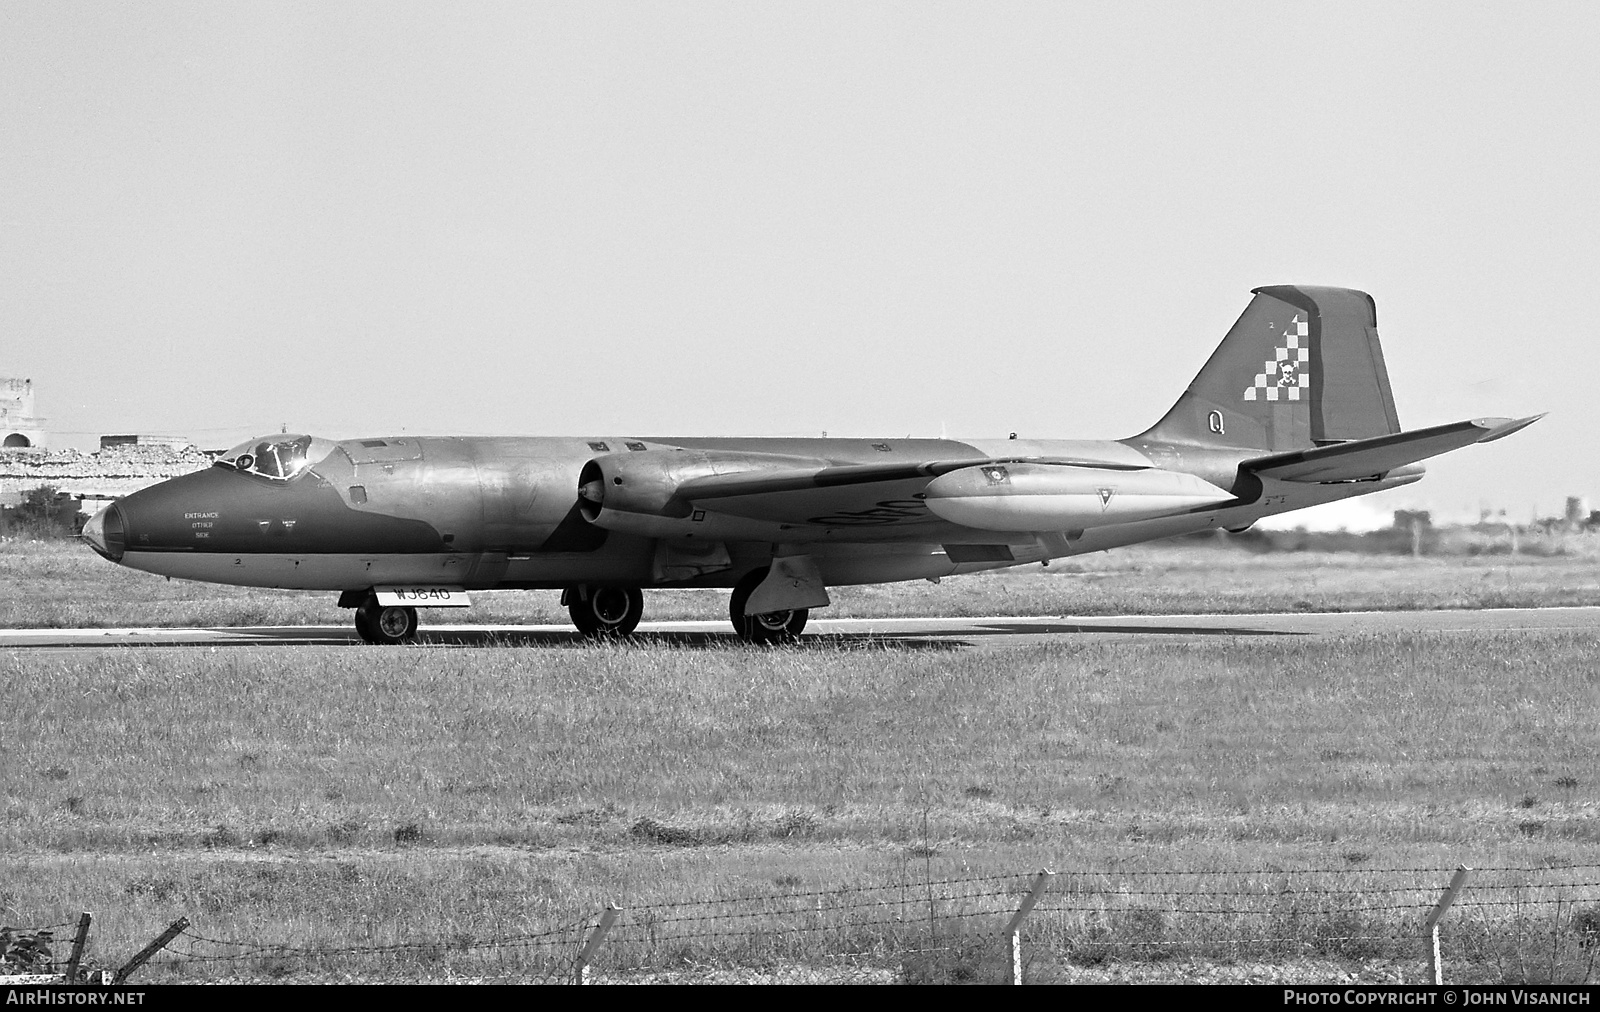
[(283, 456), (282, 459)]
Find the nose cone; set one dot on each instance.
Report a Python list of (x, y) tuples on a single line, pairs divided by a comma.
[(180, 514), (104, 531)]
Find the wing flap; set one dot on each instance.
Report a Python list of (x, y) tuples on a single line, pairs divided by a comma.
[(1366, 458)]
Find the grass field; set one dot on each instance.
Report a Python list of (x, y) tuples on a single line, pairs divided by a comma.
[(345, 798)]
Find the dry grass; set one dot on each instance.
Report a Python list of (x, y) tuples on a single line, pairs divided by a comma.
[(347, 797), (473, 740), (343, 796)]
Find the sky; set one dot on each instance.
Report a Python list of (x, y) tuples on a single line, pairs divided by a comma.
[(751, 218)]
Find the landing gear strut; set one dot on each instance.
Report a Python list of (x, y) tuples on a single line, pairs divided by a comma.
[(604, 612), (386, 625), (773, 627)]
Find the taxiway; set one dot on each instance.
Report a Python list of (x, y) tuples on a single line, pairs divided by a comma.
[(986, 633)]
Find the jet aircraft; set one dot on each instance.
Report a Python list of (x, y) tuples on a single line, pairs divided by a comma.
[(1293, 409)]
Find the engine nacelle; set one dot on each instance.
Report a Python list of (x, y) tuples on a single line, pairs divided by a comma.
[(1062, 497), (646, 481)]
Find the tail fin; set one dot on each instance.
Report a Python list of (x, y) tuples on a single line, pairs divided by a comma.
[(1302, 367)]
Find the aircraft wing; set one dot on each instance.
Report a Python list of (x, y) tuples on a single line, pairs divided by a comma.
[(722, 486), (1366, 458), (742, 483), (844, 495)]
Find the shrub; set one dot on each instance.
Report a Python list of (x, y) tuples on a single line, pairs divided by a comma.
[(24, 951), (44, 514)]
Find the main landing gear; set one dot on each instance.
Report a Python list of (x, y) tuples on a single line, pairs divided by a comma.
[(604, 612), (773, 627), (386, 625), (612, 612)]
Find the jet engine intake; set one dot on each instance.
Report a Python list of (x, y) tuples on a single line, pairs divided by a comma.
[(1059, 497)]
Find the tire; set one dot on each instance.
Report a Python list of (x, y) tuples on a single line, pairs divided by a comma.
[(386, 625), (765, 630), (606, 612)]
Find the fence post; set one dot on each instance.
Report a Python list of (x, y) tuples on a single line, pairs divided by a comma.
[(608, 917), (138, 960), (78, 942), (1453, 890), (1014, 929)]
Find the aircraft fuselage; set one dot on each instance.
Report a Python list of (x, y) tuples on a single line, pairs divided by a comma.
[(502, 512)]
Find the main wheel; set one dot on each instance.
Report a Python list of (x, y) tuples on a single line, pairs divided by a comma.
[(606, 612), (773, 627), (386, 625)]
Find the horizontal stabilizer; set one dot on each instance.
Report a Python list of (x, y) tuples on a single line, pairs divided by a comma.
[(1509, 427), (1367, 458)]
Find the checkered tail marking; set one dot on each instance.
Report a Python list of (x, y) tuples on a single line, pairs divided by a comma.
[(1286, 374)]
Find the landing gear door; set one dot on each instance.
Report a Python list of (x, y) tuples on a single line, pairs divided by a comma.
[(793, 582)]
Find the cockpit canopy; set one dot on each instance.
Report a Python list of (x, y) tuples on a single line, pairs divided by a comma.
[(282, 456)]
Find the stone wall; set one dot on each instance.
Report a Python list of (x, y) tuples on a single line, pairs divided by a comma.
[(104, 475)]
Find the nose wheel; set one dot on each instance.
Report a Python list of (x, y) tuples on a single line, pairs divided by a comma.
[(605, 612), (772, 627), (386, 625)]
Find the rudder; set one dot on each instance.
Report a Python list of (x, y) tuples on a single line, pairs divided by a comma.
[(1302, 367)]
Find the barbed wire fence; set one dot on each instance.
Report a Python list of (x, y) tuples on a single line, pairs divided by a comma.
[(1506, 924)]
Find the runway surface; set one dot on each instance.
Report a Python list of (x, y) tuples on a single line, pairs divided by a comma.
[(997, 632)]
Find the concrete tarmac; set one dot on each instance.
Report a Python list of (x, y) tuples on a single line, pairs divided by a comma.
[(990, 633)]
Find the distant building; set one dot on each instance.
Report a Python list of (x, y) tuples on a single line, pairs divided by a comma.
[(19, 426)]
